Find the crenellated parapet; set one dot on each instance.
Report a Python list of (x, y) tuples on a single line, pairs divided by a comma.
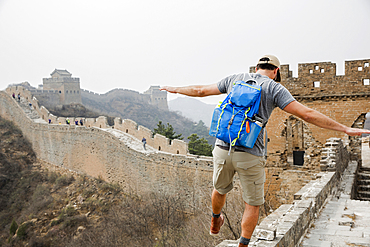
[(318, 80), (158, 142)]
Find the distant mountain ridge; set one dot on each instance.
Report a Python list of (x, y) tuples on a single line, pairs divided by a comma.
[(193, 109)]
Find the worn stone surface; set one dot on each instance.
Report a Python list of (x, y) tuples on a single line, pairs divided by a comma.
[(266, 234), (342, 222)]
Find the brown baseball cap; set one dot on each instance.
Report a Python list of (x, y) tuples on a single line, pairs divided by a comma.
[(273, 60)]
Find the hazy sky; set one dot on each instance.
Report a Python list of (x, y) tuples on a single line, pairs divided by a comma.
[(137, 43)]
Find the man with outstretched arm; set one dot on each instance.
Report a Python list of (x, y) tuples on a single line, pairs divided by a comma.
[(250, 162)]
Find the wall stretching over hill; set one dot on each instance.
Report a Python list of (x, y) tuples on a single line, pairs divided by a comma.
[(98, 152), (157, 141)]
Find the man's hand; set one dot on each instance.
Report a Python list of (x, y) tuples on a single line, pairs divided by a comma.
[(168, 89), (356, 132)]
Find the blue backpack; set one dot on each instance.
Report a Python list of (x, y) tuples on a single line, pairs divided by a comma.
[(236, 119)]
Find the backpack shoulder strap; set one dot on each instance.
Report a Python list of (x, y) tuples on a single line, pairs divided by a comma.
[(247, 75)]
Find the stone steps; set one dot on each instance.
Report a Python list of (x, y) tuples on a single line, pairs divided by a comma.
[(363, 188), (364, 194), (27, 109), (364, 176), (365, 169), (363, 184)]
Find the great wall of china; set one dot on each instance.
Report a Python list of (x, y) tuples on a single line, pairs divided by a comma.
[(116, 154)]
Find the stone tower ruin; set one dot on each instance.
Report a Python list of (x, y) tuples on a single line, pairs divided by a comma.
[(157, 97), (67, 87)]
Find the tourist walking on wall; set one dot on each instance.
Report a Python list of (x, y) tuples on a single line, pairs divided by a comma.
[(68, 121), (19, 97), (81, 122), (13, 95), (144, 142), (249, 162)]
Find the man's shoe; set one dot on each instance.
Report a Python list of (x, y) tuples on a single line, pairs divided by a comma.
[(216, 224)]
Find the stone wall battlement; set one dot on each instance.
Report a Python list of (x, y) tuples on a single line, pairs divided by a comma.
[(321, 79), (159, 142), (89, 92), (61, 79)]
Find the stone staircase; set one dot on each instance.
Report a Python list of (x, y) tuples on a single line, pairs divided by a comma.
[(29, 110), (363, 184)]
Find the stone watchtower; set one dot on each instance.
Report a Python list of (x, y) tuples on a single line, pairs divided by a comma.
[(67, 87), (157, 97)]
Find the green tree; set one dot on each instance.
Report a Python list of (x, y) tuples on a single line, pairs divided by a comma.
[(199, 146), (167, 131), (13, 228)]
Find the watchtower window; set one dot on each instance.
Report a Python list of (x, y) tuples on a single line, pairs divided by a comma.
[(126, 130), (159, 148), (322, 70), (311, 71), (359, 68), (366, 65), (366, 82), (316, 67), (178, 152), (316, 84)]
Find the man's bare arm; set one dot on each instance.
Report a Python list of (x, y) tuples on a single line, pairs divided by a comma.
[(311, 116), (194, 91)]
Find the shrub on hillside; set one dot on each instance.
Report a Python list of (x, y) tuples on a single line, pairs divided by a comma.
[(13, 228), (41, 198), (52, 176), (108, 187), (22, 230), (63, 180)]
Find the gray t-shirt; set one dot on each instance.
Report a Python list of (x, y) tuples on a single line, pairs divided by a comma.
[(273, 95)]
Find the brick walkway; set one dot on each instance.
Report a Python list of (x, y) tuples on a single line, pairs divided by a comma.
[(343, 222)]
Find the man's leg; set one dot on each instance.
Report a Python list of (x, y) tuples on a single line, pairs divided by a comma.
[(249, 221), (217, 221), (218, 201), (223, 173)]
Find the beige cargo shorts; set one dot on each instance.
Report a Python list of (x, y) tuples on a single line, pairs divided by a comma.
[(250, 169)]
